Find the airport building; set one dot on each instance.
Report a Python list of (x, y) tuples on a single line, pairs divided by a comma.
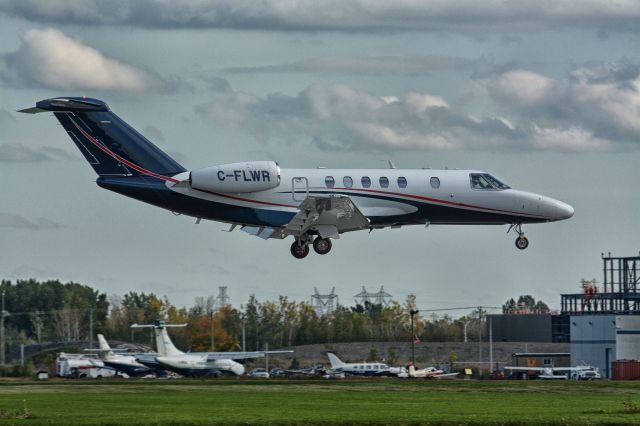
[(601, 323)]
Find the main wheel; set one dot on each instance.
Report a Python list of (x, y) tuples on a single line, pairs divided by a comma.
[(299, 251), (522, 243), (322, 245)]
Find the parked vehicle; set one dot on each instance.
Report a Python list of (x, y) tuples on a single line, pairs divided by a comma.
[(259, 373)]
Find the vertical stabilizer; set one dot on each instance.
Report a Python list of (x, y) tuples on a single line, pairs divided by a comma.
[(104, 345), (164, 344), (335, 361)]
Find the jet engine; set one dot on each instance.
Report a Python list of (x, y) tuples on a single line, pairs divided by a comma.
[(252, 176)]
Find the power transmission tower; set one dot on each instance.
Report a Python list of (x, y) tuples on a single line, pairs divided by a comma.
[(222, 299), (381, 297), (324, 303)]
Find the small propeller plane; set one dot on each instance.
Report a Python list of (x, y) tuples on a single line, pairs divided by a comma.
[(429, 373), (373, 368), (313, 206)]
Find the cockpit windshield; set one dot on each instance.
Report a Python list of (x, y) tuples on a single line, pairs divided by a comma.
[(486, 181)]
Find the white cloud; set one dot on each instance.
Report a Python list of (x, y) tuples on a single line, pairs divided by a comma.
[(589, 111), (335, 15), (571, 139), (524, 88), (48, 58), (602, 100), (343, 118)]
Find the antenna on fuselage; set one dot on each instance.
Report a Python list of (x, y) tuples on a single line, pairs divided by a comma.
[(391, 165)]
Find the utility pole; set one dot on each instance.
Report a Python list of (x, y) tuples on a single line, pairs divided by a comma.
[(480, 336), (212, 330), (244, 341), (2, 331), (90, 328), (491, 369), (266, 357), (412, 312)]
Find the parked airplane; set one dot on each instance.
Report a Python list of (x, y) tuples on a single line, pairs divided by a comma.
[(312, 205), (363, 368), (195, 363), (550, 372), (429, 373), (123, 363)]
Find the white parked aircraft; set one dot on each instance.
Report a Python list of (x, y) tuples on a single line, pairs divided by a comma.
[(120, 362), (311, 205), (429, 373), (373, 368), (195, 363), (548, 372)]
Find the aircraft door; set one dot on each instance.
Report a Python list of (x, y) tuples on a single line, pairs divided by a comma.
[(299, 188)]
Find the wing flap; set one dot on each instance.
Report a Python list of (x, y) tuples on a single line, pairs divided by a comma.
[(329, 216)]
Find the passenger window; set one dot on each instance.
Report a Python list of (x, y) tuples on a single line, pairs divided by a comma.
[(479, 182), (347, 181), (329, 181), (435, 182), (366, 182), (402, 182), (384, 182)]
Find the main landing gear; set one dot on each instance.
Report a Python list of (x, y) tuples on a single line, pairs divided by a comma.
[(521, 242), (300, 247)]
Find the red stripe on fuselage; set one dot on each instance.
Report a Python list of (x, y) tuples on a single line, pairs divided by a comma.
[(436, 200), (120, 159), (267, 203)]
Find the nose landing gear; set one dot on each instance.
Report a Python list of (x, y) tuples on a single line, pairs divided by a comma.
[(521, 242)]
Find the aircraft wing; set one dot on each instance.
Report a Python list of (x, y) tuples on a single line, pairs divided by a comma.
[(526, 368), (328, 215), (446, 376), (211, 356)]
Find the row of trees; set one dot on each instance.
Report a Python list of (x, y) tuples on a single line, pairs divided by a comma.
[(52, 311)]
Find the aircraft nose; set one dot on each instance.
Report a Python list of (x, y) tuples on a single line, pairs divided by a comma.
[(564, 210)]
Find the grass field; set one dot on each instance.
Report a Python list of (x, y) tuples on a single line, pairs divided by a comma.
[(382, 401)]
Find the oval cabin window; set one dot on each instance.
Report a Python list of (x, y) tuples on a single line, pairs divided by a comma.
[(329, 181)]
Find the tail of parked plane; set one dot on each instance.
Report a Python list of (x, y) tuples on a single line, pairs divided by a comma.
[(111, 146), (335, 361), (163, 342), (102, 342)]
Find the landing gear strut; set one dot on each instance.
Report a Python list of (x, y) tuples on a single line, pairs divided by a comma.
[(322, 245), (521, 242)]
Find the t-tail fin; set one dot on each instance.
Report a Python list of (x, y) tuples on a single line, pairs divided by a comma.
[(164, 343), (335, 361), (111, 146)]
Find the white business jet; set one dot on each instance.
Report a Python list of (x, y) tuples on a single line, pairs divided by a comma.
[(313, 206)]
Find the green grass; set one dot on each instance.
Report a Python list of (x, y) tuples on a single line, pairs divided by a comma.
[(383, 401)]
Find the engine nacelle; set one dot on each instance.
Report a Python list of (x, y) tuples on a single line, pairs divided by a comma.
[(252, 176)]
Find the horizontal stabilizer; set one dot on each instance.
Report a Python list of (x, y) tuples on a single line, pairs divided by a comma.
[(32, 110)]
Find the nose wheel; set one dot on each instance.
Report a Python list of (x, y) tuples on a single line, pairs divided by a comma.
[(521, 242)]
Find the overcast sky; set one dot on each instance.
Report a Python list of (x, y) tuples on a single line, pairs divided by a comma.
[(544, 94)]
